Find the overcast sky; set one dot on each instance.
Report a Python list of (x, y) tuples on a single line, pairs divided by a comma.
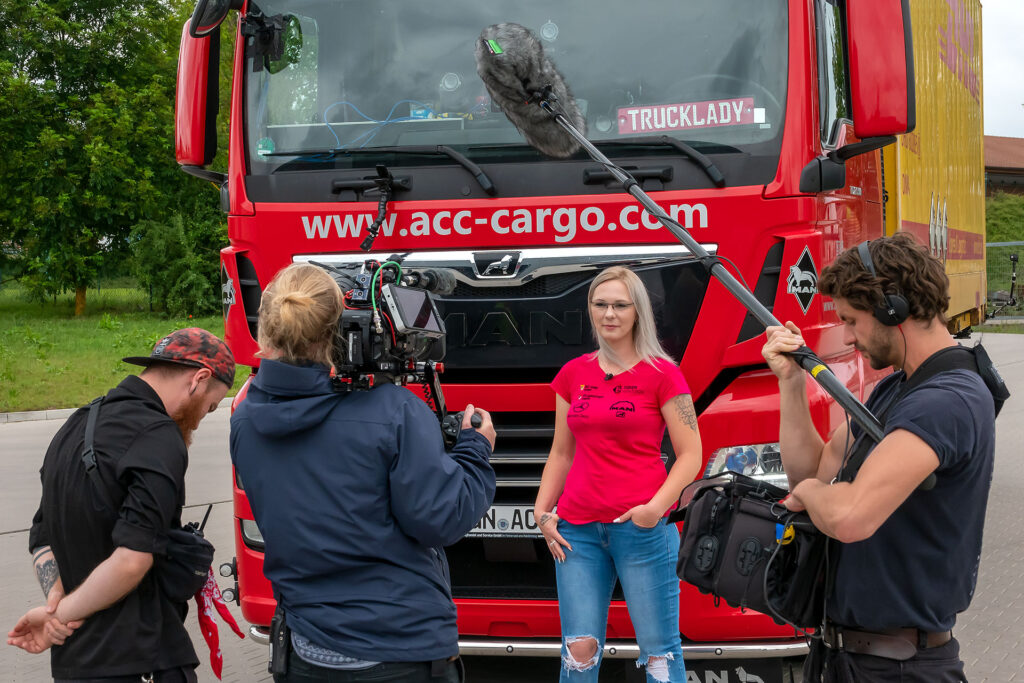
[(1003, 64)]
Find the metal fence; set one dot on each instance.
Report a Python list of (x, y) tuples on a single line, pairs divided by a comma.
[(1004, 279)]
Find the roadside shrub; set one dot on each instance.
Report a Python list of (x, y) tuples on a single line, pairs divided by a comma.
[(179, 262), (192, 292)]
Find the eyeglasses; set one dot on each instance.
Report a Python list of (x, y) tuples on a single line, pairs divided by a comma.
[(618, 306)]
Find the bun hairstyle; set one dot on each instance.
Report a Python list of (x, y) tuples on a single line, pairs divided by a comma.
[(299, 314)]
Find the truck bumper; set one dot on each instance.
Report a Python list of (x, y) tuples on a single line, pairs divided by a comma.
[(612, 650), (630, 650)]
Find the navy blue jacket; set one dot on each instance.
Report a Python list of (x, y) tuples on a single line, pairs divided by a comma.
[(355, 497)]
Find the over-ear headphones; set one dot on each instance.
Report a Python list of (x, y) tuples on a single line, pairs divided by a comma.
[(895, 308)]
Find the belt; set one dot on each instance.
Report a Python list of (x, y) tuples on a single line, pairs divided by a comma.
[(894, 643)]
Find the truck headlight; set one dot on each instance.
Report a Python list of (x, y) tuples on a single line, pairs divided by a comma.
[(251, 534), (761, 461)]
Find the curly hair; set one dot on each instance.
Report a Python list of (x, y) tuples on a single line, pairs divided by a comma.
[(903, 266)]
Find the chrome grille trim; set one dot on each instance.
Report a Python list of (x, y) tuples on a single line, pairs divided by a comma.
[(534, 262)]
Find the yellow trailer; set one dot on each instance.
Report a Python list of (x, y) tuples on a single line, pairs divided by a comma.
[(935, 176)]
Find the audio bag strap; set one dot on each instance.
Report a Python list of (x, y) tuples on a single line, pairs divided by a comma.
[(951, 358), (89, 455)]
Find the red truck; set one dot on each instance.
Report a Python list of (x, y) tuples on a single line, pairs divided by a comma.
[(785, 103)]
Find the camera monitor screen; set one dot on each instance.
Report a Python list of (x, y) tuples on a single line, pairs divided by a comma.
[(413, 310)]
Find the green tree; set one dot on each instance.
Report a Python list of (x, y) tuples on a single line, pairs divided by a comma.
[(86, 112)]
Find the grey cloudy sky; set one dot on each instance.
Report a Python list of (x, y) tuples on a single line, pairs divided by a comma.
[(1003, 66)]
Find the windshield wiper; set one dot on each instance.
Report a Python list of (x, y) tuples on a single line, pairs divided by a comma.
[(442, 150), (651, 141)]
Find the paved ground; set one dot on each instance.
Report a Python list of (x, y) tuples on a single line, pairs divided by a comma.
[(991, 632)]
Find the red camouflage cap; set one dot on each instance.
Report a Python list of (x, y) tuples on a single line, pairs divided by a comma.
[(195, 347)]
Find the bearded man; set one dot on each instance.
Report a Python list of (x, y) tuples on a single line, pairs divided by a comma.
[(905, 560), (93, 550)]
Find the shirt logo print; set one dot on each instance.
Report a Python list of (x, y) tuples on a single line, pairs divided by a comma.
[(622, 407)]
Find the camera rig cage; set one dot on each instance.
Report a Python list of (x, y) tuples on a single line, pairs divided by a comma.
[(391, 331)]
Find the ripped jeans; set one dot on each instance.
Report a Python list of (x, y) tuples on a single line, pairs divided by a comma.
[(644, 561)]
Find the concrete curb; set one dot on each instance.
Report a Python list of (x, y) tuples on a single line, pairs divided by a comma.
[(63, 413), (58, 414)]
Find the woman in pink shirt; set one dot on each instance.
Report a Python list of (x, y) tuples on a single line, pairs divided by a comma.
[(607, 478)]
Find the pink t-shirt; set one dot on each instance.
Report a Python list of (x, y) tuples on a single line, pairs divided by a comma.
[(618, 428)]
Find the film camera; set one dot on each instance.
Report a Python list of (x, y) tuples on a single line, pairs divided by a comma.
[(391, 331)]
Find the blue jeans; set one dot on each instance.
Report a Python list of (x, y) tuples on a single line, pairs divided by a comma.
[(644, 561)]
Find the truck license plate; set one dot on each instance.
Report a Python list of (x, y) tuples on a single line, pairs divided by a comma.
[(507, 520)]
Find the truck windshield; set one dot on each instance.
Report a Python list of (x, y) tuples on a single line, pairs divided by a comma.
[(326, 76)]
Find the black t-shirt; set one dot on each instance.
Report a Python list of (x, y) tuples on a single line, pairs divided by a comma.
[(920, 567), (141, 458)]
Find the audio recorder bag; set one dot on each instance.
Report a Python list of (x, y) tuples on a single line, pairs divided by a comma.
[(743, 546)]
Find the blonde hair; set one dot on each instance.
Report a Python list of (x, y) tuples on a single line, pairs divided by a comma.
[(645, 334), (299, 315)]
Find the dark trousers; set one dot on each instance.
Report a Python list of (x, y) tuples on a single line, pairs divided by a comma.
[(301, 671), (179, 675), (933, 665)]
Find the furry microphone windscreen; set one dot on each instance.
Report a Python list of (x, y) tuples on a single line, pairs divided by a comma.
[(510, 60)]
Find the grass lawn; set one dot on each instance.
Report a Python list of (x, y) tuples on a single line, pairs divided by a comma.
[(1001, 328), (50, 359)]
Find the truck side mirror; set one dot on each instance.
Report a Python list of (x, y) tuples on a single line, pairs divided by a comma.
[(196, 104), (207, 16), (880, 60), (290, 42), (881, 63)]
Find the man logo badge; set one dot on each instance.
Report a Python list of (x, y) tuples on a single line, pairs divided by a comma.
[(802, 281), (745, 677), (495, 264), (227, 290)]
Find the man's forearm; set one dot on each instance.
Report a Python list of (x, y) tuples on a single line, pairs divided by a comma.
[(799, 441), (830, 507), (46, 569), (110, 581)]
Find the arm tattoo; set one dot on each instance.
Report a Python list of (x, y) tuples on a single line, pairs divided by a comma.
[(684, 408), (47, 573)]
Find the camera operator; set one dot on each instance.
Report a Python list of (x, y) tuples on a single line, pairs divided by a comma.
[(907, 555), (355, 498)]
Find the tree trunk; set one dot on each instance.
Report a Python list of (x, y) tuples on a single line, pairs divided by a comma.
[(79, 300)]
